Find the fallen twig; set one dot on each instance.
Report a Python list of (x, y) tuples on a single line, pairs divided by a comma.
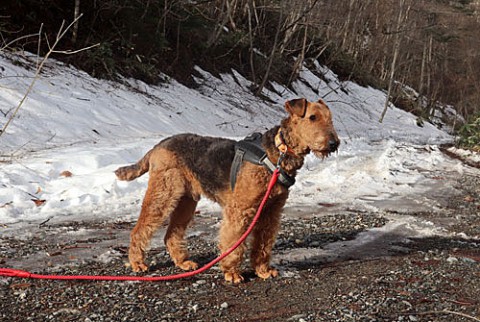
[(44, 222)]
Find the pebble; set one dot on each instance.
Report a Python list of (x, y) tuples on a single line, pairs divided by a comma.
[(297, 317), (468, 260), (224, 305), (452, 260)]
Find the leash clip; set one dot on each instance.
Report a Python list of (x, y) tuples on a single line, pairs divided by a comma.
[(280, 159)]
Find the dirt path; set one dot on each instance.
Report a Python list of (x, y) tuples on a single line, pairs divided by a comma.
[(335, 264)]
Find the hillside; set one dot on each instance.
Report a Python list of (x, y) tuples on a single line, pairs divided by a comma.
[(70, 112), (429, 45)]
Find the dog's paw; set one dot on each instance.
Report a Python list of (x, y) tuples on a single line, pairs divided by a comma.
[(265, 273), (233, 277), (139, 266), (188, 265)]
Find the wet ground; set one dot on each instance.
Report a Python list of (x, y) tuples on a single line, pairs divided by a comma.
[(336, 264)]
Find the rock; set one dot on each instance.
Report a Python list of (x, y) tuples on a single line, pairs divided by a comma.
[(452, 260), (224, 305)]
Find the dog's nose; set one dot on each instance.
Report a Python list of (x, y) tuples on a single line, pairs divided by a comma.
[(333, 145)]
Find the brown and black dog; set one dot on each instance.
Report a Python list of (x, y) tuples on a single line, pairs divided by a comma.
[(184, 167)]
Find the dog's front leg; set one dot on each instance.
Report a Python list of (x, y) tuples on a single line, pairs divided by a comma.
[(264, 236), (234, 224)]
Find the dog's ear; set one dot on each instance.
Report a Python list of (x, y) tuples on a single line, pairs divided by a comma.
[(323, 103), (297, 106)]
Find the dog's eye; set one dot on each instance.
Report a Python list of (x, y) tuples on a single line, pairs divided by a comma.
[(313, 117)]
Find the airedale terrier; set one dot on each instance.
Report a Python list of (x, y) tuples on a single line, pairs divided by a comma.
[(184, 167)]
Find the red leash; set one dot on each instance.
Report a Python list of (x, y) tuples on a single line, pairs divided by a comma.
[(23, 274)]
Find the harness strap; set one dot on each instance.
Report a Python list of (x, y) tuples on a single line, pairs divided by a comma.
[(251, 150), (237, 162)]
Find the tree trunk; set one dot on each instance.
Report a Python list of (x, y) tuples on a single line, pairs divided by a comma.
[(272, 54), (347, 25), (251, 36), (402, 14), (75, 25)]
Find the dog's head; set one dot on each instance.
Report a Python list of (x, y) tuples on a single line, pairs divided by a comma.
[(311, 126)]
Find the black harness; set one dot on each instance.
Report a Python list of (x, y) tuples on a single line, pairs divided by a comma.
[(250, 149)]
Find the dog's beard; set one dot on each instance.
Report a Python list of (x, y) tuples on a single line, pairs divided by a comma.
[(322, 154)]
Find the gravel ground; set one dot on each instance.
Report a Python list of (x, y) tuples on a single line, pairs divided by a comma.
[(419, 279)]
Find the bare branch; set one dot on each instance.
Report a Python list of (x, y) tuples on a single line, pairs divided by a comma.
[(18, 39), (39, 44), (71, 52), (59, 36)]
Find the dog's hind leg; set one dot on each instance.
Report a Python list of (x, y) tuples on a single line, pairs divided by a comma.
[(174, 238), (164, 192)]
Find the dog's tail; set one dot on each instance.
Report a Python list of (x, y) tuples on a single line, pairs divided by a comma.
[(133, 171)]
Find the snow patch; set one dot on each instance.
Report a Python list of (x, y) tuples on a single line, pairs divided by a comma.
[(89, 127)]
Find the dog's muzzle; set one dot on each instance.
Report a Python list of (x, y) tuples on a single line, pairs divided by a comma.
[(333, 145)]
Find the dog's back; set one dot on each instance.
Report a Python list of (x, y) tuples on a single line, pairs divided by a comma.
[(208, 158)]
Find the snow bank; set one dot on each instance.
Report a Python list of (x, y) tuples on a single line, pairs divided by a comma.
[(73, 122)]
